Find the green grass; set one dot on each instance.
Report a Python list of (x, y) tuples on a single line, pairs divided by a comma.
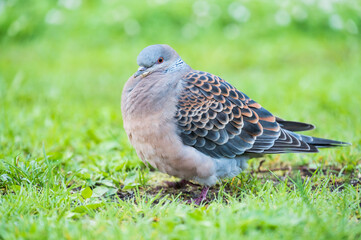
[(67, 170)]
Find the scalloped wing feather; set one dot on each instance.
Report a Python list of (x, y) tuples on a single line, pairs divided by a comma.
[(222, 122)]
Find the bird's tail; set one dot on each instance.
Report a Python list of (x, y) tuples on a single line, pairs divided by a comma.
[(323, 142), (315, 143), (291, 142)]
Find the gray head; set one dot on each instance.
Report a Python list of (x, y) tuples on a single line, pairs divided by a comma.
[(156, 58)]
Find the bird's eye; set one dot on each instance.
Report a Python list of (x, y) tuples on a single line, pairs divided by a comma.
[(160, 60)]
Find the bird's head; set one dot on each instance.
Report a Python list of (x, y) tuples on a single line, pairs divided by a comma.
[(157, 58)]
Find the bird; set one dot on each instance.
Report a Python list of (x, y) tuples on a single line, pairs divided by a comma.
[(196, 126)]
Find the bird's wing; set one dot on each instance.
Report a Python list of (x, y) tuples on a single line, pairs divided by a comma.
[(222, 122)]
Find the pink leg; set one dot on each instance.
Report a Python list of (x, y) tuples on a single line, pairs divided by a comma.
[(202, 196)]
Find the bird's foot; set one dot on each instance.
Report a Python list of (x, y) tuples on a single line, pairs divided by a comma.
[(180, 184), (202, 197)]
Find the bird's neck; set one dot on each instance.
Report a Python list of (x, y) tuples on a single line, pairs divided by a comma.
[(177, 66)]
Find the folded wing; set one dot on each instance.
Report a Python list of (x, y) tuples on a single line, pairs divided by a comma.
[(222, 122)]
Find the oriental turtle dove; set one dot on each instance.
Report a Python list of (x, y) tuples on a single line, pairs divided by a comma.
[(196, 126)]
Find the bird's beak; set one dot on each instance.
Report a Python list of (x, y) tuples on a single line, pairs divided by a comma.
[(141, 72)]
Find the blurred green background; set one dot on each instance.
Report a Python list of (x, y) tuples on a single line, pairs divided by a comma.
[(63, 65), (62, 68)]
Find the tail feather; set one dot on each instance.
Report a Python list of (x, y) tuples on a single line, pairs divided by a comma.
[(326, 143), (294, 126), (301, 143), (287, 143)]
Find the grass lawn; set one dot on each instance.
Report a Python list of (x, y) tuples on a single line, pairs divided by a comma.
[(67, 170)]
